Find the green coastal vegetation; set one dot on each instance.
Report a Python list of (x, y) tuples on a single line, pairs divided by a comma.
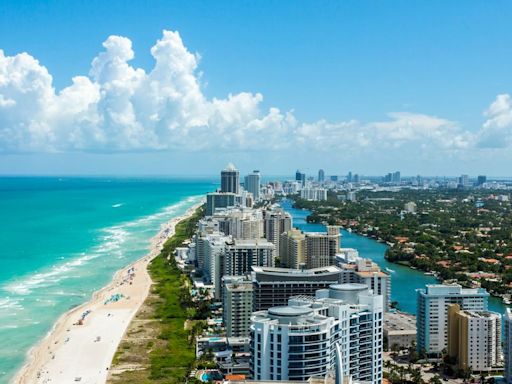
[(159, 345), (459, 235)]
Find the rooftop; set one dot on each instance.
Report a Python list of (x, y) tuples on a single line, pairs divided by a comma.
[(286, 311), (230, 167), (250, 243), (349, 287), (371, 273), (301, 318), (454, 289), (399, 321), (481, 314), (240, 286), (291, 271)]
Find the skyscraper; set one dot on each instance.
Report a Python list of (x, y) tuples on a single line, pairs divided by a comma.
[(464, 181), (432, 312), (300, 177), (237, 305), (276, 221), (219, 200), (292, 248), (321, 248), (252, 184), (273, 287), (241, 255), (300, 340), (482, 179), (321, 176), (474, 338), (396, 178), (230, 179)]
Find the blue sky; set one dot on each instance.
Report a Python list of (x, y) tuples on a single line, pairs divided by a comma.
[(335, 70)]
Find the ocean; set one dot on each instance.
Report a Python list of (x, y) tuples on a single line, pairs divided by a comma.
[(63, 238)]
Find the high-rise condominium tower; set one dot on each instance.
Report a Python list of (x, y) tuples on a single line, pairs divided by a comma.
[(298, 341), (252, 184), (230, 179), (321, 176), (432, 319)]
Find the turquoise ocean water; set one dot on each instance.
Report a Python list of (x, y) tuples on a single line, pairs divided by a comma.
[(404, 281), (61, 239)]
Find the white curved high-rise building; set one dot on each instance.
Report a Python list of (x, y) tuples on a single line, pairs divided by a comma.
[(298, 341), (290, 343)]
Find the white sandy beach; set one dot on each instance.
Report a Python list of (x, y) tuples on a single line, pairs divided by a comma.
[(82, 353)]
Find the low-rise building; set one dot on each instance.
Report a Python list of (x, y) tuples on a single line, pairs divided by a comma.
[(214, 344), (347, 255), (232, 354), (410, 207), (399, 329)]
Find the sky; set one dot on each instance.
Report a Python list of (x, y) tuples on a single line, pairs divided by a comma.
[(184, 87)]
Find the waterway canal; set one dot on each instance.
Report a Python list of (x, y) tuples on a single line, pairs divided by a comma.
[(404, 280)]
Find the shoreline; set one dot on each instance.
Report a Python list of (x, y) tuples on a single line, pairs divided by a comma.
[(71, 352)]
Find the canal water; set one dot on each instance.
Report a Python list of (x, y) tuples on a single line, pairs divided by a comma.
[(404, 280)]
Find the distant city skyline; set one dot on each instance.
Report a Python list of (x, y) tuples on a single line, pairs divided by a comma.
[(93, 88)]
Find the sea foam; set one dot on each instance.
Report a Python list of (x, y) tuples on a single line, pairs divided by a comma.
[(111, 244)]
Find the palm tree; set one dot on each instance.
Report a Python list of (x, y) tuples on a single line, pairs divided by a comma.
[(402, 372), (415, 374)]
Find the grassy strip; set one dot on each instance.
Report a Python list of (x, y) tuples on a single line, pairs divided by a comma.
[(176, 357), (170, 356)]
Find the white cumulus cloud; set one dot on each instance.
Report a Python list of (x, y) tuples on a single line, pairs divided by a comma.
[(497, 129), (120, 108), (117, 107), (402, 129)]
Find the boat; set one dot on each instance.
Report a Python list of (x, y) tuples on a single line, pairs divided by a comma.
[(429, 273), (390, 270), (507, 301), (349, 230)]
